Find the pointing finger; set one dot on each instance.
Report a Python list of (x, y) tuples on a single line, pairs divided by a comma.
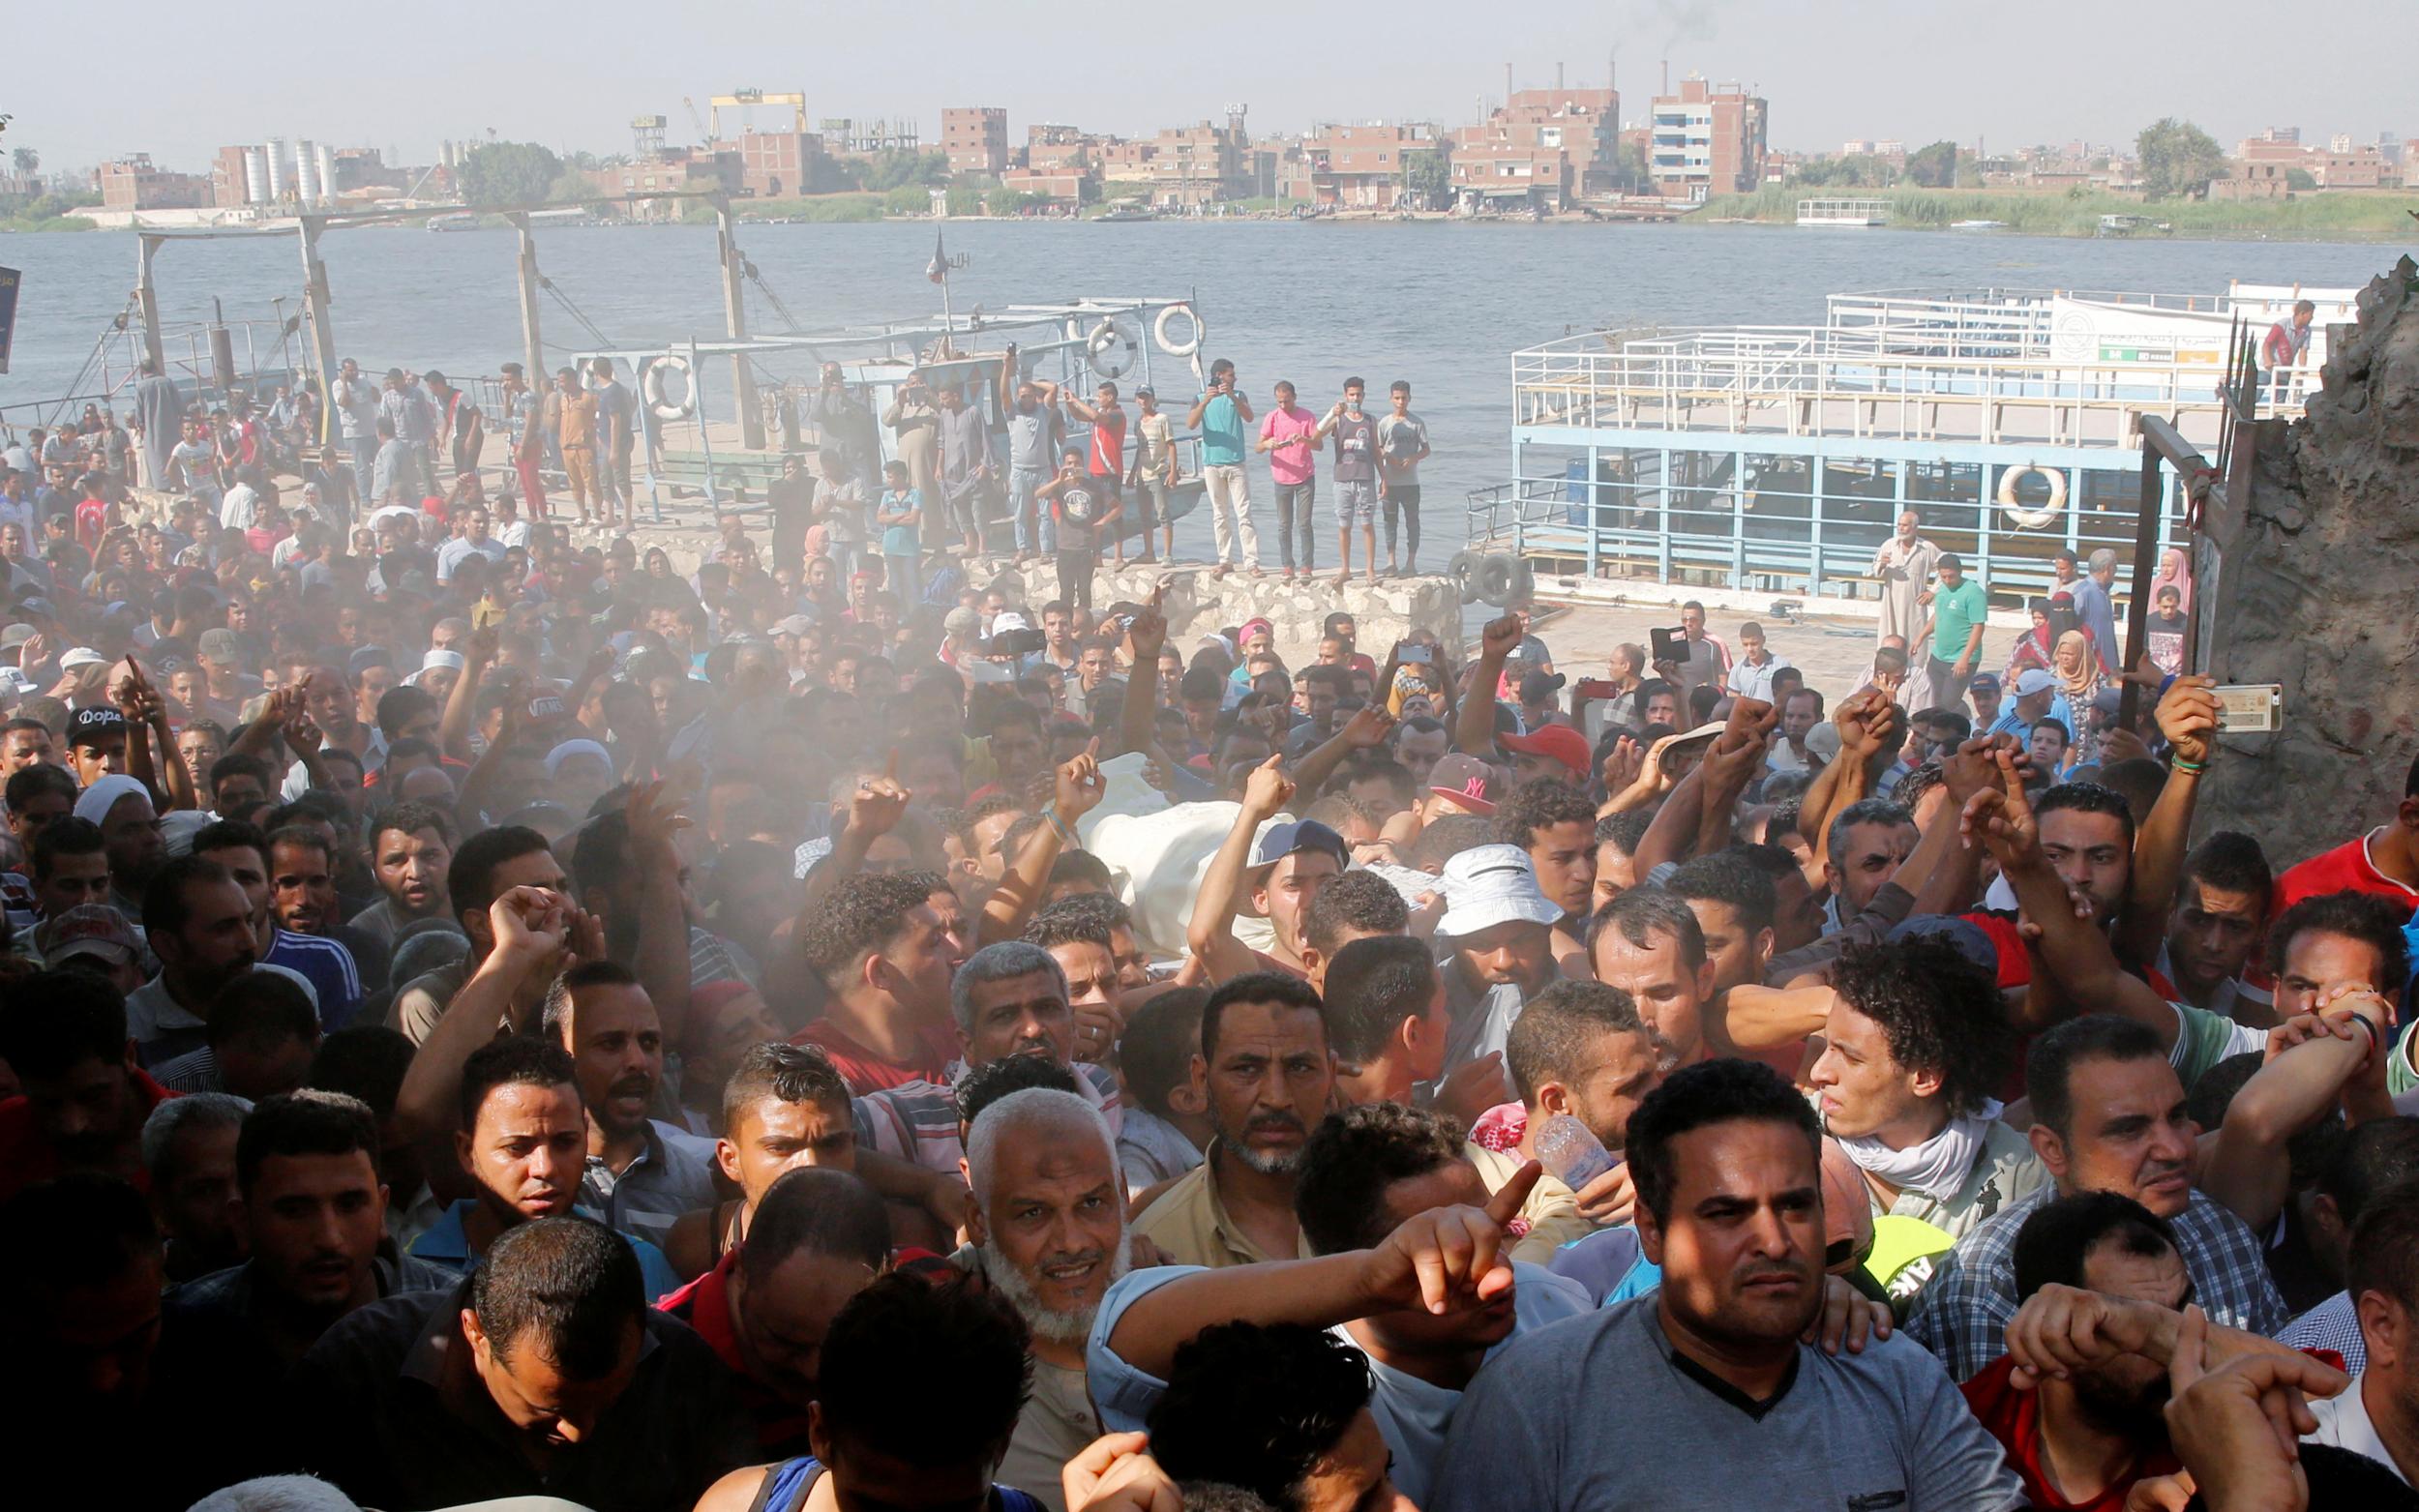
[(1505, 1204)]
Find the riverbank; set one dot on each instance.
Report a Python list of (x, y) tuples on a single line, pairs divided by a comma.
[(2340, 217)]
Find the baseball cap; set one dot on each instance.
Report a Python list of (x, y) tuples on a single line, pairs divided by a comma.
[(15, 636), (81, 656), (1967, 936), (1538, 687), (90, 929), (219, 645), (1556, 743), (1487, 885), (801, 624), (366, 658), (1985, 682), (1287, 837), (1008, 619), (2033, 680), (957, 622), (90, 725), (1467, 781)]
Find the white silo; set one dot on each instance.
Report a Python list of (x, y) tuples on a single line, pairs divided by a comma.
[(306, 188), (280, 169), (327, 172), (256, 176)]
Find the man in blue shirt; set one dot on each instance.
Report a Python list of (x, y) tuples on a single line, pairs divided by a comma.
[(1033, 456), (1220, 415), (2092, 605), (522, 1150)]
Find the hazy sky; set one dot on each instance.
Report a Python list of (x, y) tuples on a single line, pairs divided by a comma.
[(179, 79)]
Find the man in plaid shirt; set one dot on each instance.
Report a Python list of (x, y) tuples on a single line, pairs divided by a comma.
[(1009, 999), (2109, 1116)]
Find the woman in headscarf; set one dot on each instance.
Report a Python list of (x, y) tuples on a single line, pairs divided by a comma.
[(2078, 672), (2175, 572), (2064, 619), (2034, 648)]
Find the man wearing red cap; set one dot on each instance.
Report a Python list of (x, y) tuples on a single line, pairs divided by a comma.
[(1548, 750)]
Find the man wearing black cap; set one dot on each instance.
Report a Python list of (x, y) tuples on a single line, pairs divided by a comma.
[(1280, 871), (97, 744)]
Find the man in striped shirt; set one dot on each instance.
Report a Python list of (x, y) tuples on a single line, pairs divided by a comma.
[(1009, 999), (640, 1174)]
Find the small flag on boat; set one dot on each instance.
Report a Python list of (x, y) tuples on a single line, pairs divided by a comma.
[(938, 270)]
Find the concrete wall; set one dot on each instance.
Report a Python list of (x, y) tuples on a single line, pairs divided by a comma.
[(2315, 595)]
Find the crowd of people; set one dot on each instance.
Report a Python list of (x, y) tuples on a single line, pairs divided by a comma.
[(491, 1015)]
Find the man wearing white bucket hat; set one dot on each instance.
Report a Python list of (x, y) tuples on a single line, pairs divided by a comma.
[(1500, 929)]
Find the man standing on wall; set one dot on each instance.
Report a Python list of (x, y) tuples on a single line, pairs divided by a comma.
[(1402, 446)]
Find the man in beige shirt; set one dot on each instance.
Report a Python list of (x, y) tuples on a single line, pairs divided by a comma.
[(1266, 1074), (572, 413)]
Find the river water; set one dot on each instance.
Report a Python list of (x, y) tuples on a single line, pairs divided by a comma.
[(1442, 305)]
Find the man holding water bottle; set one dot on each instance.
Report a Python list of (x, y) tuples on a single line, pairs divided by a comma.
[(1581, 1060)]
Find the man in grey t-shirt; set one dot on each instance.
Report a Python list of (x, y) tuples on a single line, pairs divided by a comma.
[(1402, 446), (1355, 433), (1704, 1393)]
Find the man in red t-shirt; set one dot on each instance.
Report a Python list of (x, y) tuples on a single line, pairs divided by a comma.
[(85, 1099), (2077, 1400), (882, 952), (2385, 861), (819, 1237), (91, 511)]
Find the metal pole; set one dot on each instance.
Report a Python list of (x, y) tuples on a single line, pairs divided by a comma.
[(532, 350), (735, 318), (315, 306), (2145, 547), (147, 297), (704, 432)]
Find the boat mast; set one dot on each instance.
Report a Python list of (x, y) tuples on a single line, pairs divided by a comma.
[(533, 350), (147, 298), (315, 309), (735, 318)]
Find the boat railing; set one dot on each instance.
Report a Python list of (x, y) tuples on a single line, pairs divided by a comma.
[(1782, 532), (1815, 382)]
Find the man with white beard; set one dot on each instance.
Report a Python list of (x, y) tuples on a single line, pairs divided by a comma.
[(1046, 1218)]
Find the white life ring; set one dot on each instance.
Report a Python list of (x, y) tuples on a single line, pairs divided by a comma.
[(1167, 344), (1111, 350), (2032, 518), (652, 385)]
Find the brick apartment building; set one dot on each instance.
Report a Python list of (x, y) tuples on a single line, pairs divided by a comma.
[(773, 164), (1707, 139), (1355, 168), (975, 138), (131, 183)]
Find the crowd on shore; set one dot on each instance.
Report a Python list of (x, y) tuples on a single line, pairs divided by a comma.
[(490, 1015)]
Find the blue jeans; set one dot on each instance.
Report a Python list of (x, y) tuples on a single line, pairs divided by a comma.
[(1022, 482), (901, 577), (1295, 503), (365, 449)]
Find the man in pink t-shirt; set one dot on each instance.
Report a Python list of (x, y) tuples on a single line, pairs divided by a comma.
[(1290, 434)]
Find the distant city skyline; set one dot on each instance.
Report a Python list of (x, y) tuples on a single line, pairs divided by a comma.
[(1903, 70)]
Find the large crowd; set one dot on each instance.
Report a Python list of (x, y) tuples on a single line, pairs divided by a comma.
[(488, 1015)]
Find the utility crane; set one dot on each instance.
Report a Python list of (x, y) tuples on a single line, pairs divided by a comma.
[(689, 104), (741, 99)]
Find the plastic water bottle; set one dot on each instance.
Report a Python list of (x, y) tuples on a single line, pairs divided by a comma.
[(1570, 1153)]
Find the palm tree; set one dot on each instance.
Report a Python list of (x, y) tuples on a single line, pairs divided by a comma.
[(27, 161)]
